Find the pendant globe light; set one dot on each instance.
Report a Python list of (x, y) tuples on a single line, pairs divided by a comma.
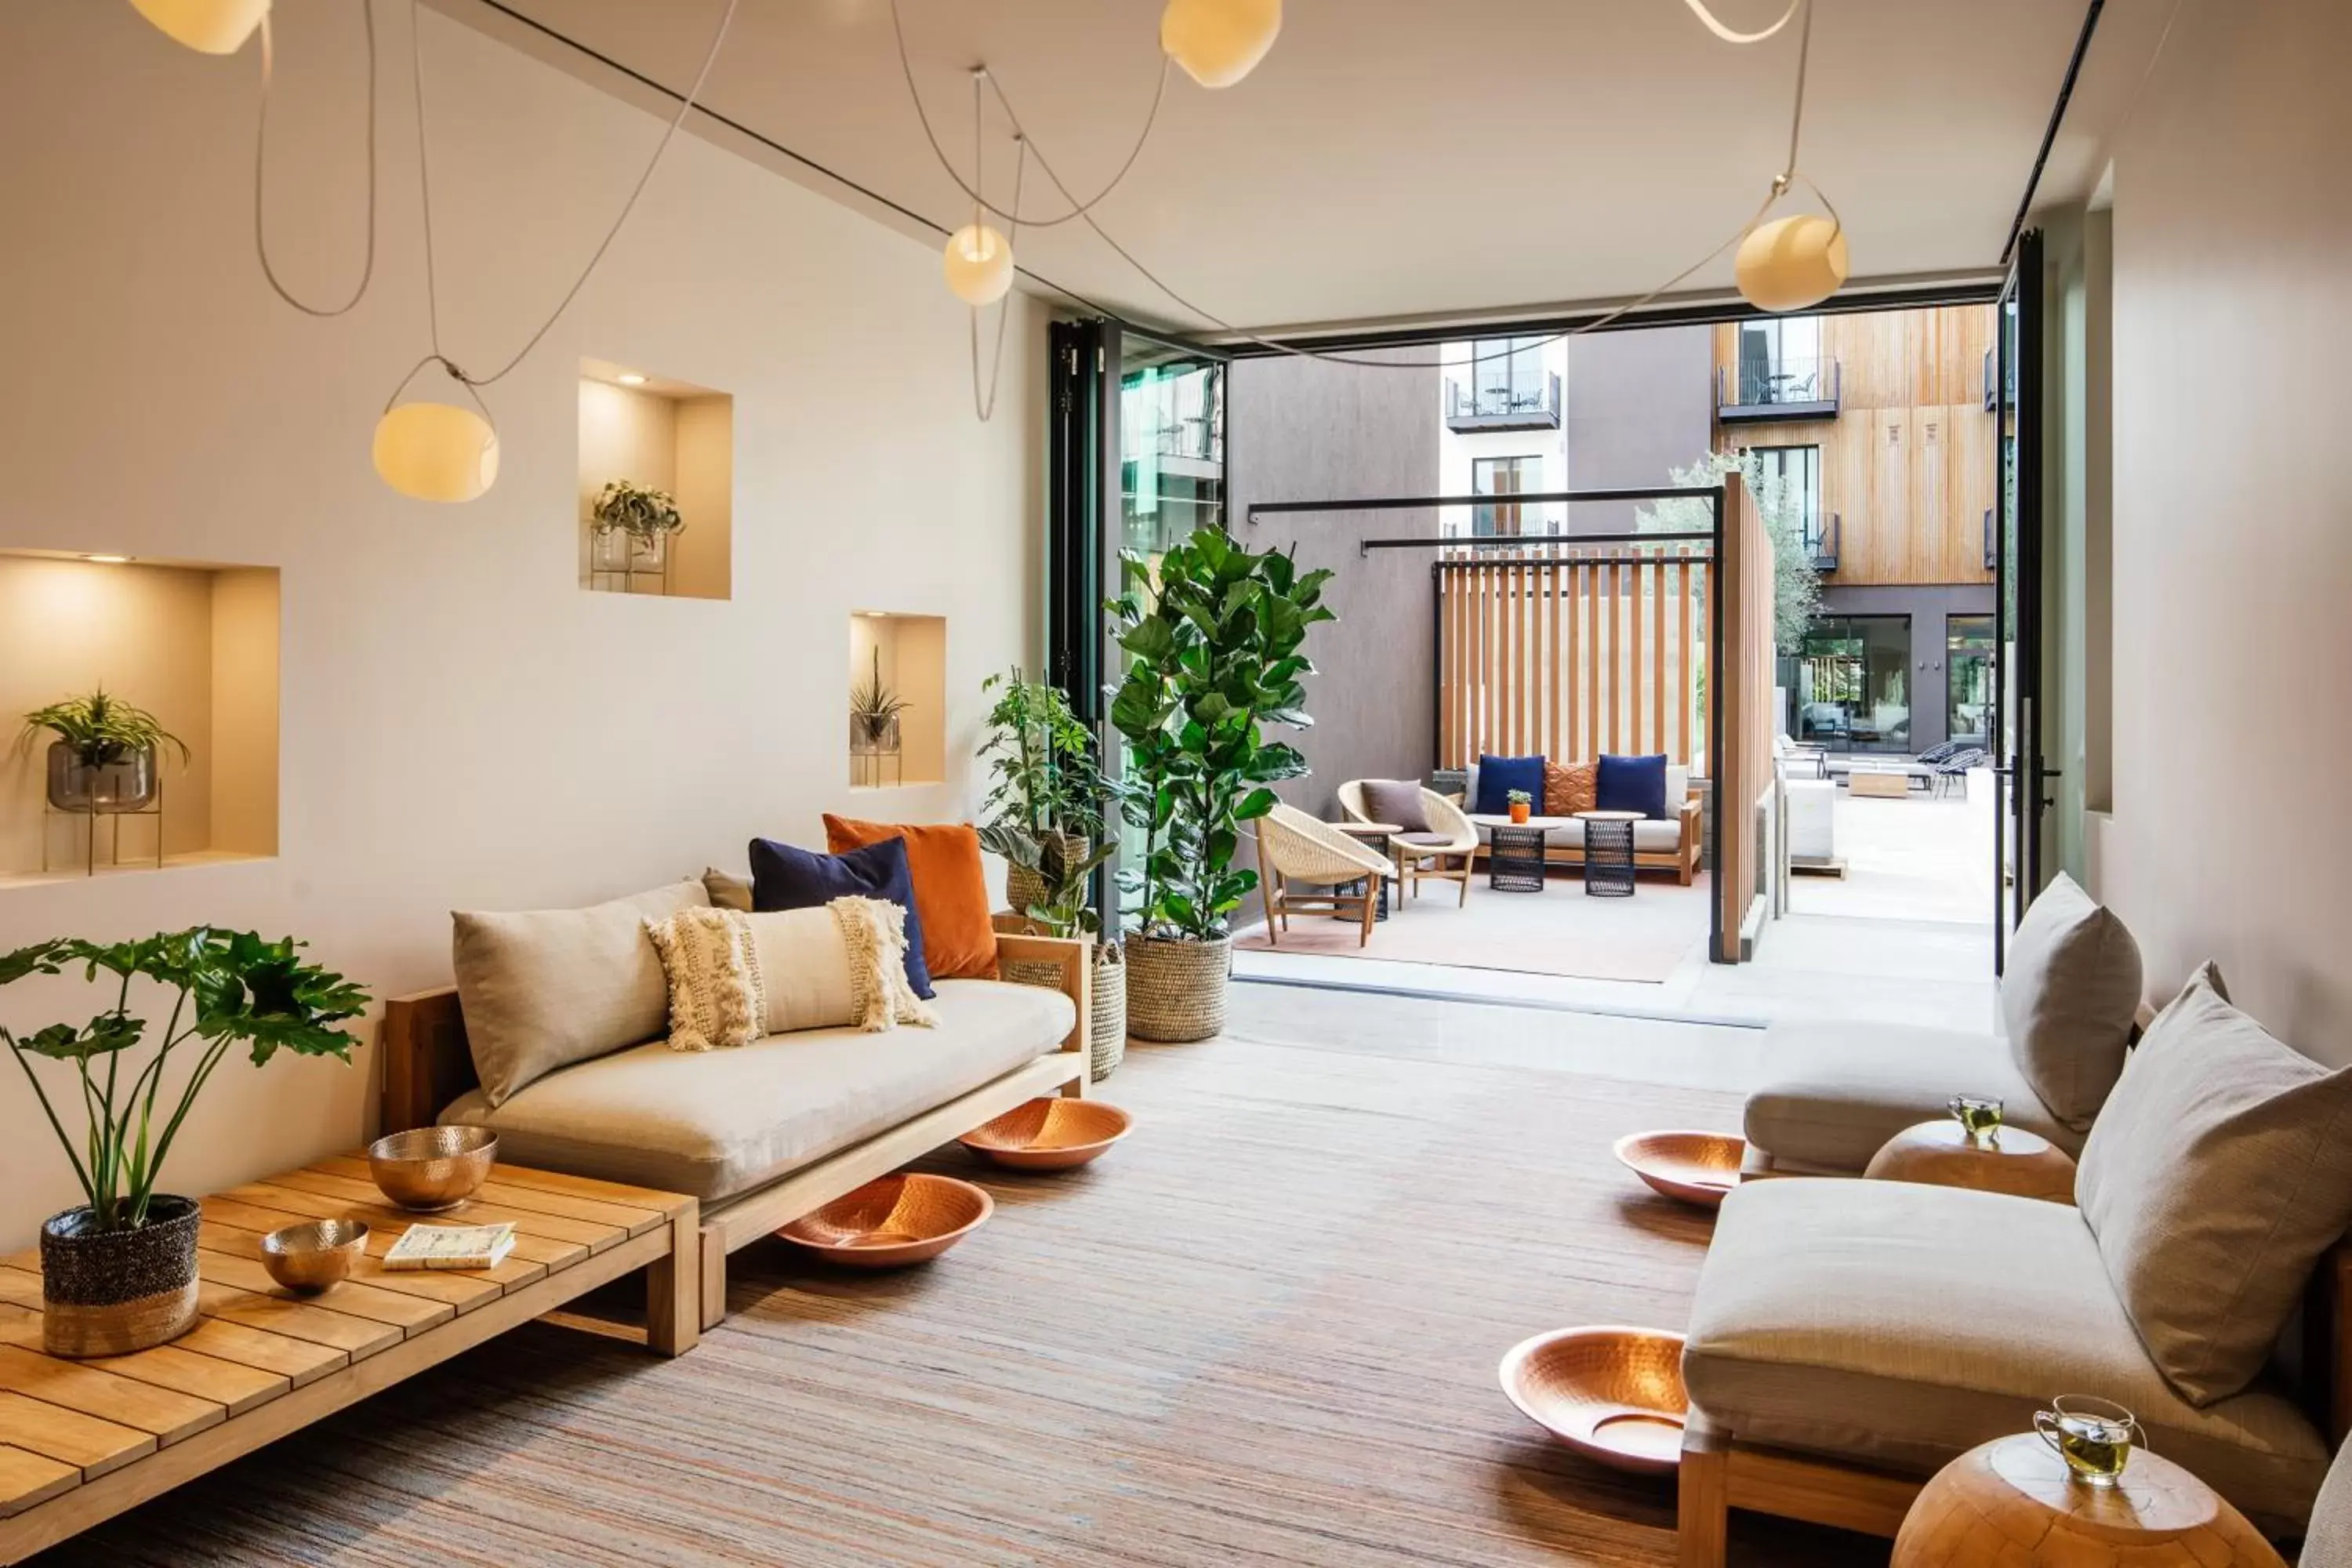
[(978, 264), (1791, 263), (437, 451), (1218, 42), (209, 26)]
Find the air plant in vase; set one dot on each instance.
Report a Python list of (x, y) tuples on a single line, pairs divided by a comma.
[(632, 520), (874, 711), (104, 757)]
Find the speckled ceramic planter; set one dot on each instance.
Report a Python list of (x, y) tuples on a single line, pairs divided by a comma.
[(110, 1292)]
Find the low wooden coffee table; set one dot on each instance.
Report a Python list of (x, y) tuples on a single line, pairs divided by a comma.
[(1939, 1154), (81, 1441)]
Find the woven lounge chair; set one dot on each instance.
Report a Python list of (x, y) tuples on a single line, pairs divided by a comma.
[(1443, 854), (1294, 850)]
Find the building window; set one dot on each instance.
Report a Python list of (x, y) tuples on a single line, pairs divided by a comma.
[(1508, 375), (1796, 472), (1854, 692), (1502, 476), (1969, 672), (1780, 361)]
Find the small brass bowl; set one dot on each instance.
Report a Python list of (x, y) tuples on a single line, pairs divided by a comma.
[(315, 1254), (428, 1169)]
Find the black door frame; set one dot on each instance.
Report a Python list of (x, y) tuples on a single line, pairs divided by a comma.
[(2021, 771)]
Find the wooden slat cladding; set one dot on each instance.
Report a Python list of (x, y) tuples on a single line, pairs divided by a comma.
[(1569, 651), (1744, 772)]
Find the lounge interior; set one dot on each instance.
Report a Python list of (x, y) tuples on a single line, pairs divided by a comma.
[(570, 562)]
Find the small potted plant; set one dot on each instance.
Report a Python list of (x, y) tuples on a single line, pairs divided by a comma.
[(119, 1270), (1521, 804), (874, 711), (632, 524), (105, 757)]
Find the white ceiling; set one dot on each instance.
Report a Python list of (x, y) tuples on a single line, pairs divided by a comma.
[(1407, 160)]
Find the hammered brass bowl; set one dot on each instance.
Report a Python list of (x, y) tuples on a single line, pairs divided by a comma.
[(315, 1254), (1613, 1394), (428, 1169), (1049, 1133), (1700, 1168), (892, 1222)]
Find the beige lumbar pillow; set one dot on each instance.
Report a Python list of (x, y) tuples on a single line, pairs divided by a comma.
[(735, 977), (2218, 1173), (543, 989), (2068, 997)]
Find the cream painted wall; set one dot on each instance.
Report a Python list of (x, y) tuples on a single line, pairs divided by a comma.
[(463, 727), (2232, 517)]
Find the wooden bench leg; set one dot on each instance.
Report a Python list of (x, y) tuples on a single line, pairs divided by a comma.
[(1704, 1511), (673, 1290), (713, 1272)]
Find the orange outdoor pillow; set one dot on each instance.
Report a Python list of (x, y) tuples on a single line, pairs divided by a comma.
[(1569, 790), (950, 891)]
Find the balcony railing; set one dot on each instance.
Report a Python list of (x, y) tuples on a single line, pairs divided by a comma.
[(2008, 398), (1201, 440), (1823, 537), (1788, 388), (1522, 403)]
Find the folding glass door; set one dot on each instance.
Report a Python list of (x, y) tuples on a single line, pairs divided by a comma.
[(2020, 765)]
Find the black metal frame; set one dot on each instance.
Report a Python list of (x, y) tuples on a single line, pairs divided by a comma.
[(2021, 775)]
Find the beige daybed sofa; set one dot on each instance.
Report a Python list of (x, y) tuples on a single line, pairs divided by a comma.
[(760, 1134)]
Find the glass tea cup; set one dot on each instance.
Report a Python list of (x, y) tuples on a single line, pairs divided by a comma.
[(1978, 1118), (2094, 1436)]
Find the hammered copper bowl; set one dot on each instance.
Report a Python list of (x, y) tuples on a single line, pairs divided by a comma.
[(1613, 1394), (1700, 1168), (1049, 1134), (428, 1169), (313, 1255), (892, 1222)]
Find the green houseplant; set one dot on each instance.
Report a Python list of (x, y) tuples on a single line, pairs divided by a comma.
[(1215, 635), (119, 1270), (632, 524), (105, 753)]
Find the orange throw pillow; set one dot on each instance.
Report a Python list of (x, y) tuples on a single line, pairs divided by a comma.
[(950, 891), (1569, 790)]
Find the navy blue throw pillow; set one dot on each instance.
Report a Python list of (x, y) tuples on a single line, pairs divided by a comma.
[(783, 877), (1631, 784), (1498, 776)]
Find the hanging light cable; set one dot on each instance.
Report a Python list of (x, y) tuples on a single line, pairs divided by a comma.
[(979, 259), (261, 165), (1794, 262), (985, 405)]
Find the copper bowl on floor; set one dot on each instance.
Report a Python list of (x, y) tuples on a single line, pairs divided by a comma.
[(1698, 1168), (429, 1169), (313, 1255), (892, 1222), (1613, 1394), (1049, 1133)]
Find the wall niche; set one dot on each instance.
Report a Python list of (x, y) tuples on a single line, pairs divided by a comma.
[(666, 435), (193, 643), (907, 656)]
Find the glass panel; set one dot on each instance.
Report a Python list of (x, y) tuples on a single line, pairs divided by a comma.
[(1852, 691), (1969, 677), (1507, 376), (1798, 469), (1780, 361), (1502, 476)]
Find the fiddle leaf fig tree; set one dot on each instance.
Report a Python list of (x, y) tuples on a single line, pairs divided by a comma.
[(1216, 635)]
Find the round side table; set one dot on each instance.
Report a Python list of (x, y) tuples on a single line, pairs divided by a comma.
[(1939, 1154), (2012, 1503), (1515, 856), (1608, 853)]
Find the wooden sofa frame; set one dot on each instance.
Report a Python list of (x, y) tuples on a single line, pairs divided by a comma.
[(1719, 1472), (428, 1065)]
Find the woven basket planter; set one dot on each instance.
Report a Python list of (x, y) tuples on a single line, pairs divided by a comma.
[(1106, 1030), (1176, 987), (110, 1292), (1023, 887)]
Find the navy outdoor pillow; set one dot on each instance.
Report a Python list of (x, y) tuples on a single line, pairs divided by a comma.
[(1498, 776), (783, 877), (1631, 784)]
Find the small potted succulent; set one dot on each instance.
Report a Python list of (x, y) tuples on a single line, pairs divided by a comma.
[(632, 524), (1521, 804), (119, 1270), (105, 756)]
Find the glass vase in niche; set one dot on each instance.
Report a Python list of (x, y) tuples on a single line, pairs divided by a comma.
[(128, 782)]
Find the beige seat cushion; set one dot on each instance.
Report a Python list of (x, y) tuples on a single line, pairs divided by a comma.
[(724, 1122), (2068, 997), (545, 988), (1898, 1326), (2330, 1540), (2219, 1171), (1651, 836), (1833, 1091)]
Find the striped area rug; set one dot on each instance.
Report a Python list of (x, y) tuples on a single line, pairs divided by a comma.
[(1262, 1332)]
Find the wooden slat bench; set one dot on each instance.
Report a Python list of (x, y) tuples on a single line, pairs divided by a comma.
[(81, 1441)]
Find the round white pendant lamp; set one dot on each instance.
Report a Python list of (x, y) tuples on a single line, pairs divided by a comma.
[(209, 26), (1791, 263), (978, 264), (437, 451), (1218, 42)]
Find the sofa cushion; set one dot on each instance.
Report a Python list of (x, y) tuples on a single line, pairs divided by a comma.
[(1649, 837), (2068, 995), (1900, 1325), (950, 882), (543, 989), (2330, 1540), (1569, 788), (1632, 783), (1396, 801), (784, 877), (1833, 1091), (2219, 1172), (1496, 777), (724, 1123), (727, 890)]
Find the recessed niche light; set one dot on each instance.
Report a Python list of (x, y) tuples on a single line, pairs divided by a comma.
[(107, 560), (876, 614), (630, 378)]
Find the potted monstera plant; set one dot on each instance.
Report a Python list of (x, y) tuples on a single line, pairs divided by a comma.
[(106, 755), (1216, 635), (1052, 814), (119, 1270)]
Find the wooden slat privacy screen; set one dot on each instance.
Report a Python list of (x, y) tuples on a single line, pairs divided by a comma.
[(1744, 774), (1571, 651)]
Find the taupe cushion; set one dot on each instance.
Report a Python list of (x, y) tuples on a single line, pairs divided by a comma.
[(2220, 1171), (1396, 801), (2068, 995), (725, 1123), (727, 890), (1833, 1092), (2330, 1540), (544, 988), (1899, 1325)]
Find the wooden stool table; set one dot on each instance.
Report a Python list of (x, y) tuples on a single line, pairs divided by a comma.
[(1939, 1154), (2012, 1503), (81, 1441)]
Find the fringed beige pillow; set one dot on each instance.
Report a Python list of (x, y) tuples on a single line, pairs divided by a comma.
[(735, 977), (876, 933), (715, 994)]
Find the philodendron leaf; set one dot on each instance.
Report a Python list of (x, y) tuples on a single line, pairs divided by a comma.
[(263, 993), (41, 958), (102, 1035)]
